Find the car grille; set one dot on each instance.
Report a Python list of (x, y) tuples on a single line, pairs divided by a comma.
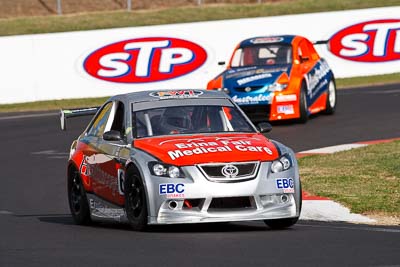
[(250, 89), (229, 172), (257, 113), (230, 203)]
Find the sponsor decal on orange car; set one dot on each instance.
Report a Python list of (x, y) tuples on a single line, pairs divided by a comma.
[(266, 40)]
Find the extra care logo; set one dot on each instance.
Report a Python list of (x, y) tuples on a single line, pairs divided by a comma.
[(145, 60), (372, 41)]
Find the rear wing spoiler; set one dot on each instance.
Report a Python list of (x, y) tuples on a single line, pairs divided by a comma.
[(77, 112)]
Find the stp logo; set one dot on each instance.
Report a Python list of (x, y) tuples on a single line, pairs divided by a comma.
[(145, 60), (372, 41)]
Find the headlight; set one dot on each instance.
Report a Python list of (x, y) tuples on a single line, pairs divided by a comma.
[(225, 90), (165, 170), (159, 170), (282, 164), (277, 87), (173, 172)]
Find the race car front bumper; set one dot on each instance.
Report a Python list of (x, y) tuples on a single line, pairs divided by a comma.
[(260, 208), (201, 200)]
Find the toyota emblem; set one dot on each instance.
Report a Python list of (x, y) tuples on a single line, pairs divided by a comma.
[(230, 171), (247, 89)]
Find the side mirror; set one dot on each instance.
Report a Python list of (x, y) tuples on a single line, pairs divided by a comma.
[(221, 63), (112, 136), (264, 127)]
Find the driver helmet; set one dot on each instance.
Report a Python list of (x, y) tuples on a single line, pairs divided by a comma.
[(175, 120)]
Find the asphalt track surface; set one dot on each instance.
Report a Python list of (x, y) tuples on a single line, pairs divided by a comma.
[(37, 230)]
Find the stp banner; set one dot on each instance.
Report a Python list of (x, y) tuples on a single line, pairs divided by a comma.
[(108, 62)]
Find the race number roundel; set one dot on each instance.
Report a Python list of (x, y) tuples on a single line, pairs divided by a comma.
[(371, 41), (145, 60)]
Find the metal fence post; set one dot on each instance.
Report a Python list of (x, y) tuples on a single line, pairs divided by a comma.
[(129, 5), (59, 8)]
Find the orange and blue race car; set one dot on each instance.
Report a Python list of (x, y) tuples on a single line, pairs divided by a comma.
[(278, 78)]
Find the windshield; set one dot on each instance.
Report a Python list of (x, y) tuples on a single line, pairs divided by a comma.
[(262, 55), (189, 120)]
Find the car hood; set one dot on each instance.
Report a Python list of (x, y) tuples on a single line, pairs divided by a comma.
[(253, 76), (190, 150)]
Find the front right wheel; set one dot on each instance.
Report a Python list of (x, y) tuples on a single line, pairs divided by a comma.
[(331, 99), (135, 200)]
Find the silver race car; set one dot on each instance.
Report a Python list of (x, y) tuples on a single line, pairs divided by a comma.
[(179, 156)]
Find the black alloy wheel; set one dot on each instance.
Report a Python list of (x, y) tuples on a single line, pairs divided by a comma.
[(77, 199), (303, 104), (135, 200), (287, 222)]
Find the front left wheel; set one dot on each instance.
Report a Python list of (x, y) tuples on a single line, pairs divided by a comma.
[(135, 200), (281, 223), (303, 104), (78, 203), (287, 222)]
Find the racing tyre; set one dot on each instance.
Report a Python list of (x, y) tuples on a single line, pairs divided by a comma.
[(135, 200), (303, 104), (285, 223), (331, 99), (281, 223), (77, 199)]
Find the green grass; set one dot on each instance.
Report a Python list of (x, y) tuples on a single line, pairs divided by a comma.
[(104, 20), (367, 180), (52, 104), (368, 80)]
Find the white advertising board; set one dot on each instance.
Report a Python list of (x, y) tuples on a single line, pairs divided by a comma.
[(107, 62)]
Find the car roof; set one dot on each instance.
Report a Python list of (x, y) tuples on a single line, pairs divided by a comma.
[(163, 94), (271, 39)]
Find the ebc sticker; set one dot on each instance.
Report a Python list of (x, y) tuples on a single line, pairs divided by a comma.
[(371, 41), (286, 184), (171, 190), (145, 60)]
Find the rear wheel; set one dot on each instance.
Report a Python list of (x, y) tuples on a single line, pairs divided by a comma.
[(331, 99), (303, 104), (77, 199), (135, 200)]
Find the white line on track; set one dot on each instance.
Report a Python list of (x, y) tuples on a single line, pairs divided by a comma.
[(50, 152), (5, 212), (25, 116), (388, 92), (362, 228)]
